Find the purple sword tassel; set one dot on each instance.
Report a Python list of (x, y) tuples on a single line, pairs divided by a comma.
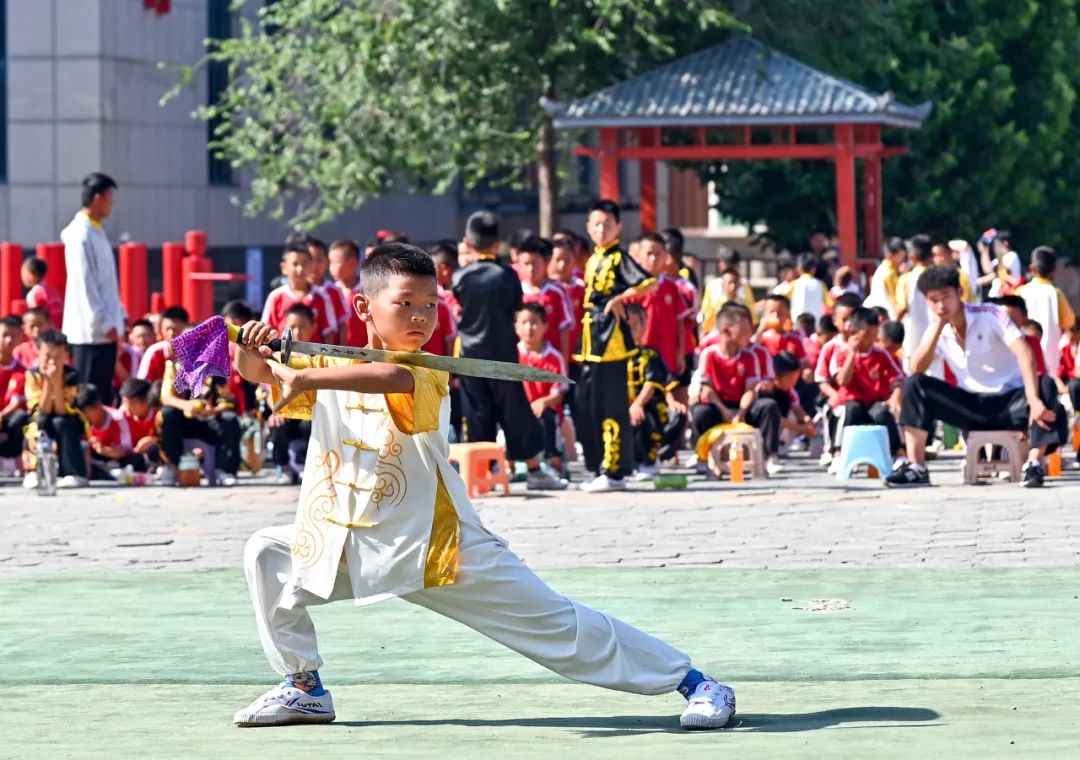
[(201, 352)]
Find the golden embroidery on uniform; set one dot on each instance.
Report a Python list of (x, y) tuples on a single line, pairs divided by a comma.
[(309, 543), (390, 482), (611, 437)]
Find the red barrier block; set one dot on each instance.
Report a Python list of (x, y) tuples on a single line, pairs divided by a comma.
[(172, 254), (133, 286), (11, 289), (53, 256)]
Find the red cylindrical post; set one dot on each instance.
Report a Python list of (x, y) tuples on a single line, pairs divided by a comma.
[(172, 254), (195, 242), (11, 289), (133, 291), (157, 303), (197, 295), (53, 256)]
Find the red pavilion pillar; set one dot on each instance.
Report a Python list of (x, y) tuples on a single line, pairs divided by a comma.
[(872, 232), (648, 137), (844, 135), (609, 163)]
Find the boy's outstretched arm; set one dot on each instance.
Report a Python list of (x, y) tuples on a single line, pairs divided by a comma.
[(375, 377)]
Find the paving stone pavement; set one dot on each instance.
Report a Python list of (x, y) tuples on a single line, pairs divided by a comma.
[(801, 519)]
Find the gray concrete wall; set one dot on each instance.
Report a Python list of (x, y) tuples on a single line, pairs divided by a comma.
[(83, 91)]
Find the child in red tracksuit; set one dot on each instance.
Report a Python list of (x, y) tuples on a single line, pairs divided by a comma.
[(546, 399)]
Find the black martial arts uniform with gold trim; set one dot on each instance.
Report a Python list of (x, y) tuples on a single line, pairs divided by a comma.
[(603, 413), (657, 437)]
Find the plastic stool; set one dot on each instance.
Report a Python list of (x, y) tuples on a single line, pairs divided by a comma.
[(1008, 440), (475, 461), (864, 444), (716, 443), (209, 460)]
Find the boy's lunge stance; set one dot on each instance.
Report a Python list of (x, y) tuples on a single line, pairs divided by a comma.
[(382, 514)]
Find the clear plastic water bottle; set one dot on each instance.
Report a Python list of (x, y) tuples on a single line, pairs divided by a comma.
[(48, 465)]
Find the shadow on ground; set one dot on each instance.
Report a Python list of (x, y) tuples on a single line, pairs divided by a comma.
[(629, 725)]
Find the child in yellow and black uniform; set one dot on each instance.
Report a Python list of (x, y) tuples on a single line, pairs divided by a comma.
[(656, 415), (51, 388), (611, 277), (211, 418)]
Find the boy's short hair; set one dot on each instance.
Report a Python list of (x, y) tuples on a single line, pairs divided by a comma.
[(636, 310), (785, 362), (845, 278), (922, 249), (893, 331), (52, 338), (144, 323), (937, 277), (482, 230), (850, 300), (87, 396), (314, 242), (445, 251), (730, 270), (781, 299), (651, 237), (806, 322), (861, 318), (389, 259), (35, 266), (11, 321), (37, 311), (826, 324), (535, 244), (608, 206), (519, 236), (176, 314), (351, 247), (674, 240), (882, 313), (295, 246), (1032, 327), (135, 387), (536, 309), (895, 245), (1043, 261), (732, 312), (807, 261), (1011, 301), (236, 309), (302, 310), (93, 184), (1004, 236)]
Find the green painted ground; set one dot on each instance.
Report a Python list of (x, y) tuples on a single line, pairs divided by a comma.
[(922, 663)]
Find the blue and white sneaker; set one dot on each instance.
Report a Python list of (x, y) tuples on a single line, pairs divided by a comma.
[(711, 705), (285, 705)]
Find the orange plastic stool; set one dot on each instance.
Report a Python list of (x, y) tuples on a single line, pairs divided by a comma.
[(475, 461)]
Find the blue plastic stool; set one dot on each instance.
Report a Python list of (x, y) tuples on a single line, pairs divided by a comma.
[(864, 444)]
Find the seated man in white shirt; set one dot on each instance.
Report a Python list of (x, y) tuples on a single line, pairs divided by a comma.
[(998, 387)]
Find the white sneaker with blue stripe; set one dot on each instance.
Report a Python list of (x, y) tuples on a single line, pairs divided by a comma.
[(711, 705), (285, 705)]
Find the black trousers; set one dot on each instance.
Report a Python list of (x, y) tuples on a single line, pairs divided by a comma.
[(1074, 394), (95, 363), (488, 405), (12, 427), (763, 414), (659, 434), (222, 432), (549, 424), (927, 399), (100, 466), (603, 419), (877, 413), (281, 436), (66, 430)]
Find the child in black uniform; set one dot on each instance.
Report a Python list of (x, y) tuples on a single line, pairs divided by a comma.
[(657, 416)]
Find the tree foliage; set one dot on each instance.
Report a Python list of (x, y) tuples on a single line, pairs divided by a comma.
[(995, 150), (332, 102)]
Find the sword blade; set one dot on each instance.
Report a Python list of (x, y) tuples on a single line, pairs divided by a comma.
[(489, 368)]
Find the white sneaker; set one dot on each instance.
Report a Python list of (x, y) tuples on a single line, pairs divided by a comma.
[(646, 472), (72, 481), (283, 479), (710, 706), (30, 481), (168, 475), (543, 480), (773, 466), (602, 483), (225, 479), (834, 466), (826, 458), (284, 705)]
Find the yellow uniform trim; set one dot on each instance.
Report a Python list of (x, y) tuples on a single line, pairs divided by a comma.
[(443, 556), (359, 445)]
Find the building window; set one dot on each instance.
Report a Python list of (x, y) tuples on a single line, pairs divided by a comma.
[(3, 91), (218, 27)]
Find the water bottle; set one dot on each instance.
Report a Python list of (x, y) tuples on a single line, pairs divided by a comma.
[(48, 466)]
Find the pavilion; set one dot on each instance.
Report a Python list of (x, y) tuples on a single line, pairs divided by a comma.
[(741, 100)]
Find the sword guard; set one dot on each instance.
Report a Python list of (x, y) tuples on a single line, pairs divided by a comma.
[(282, 344)]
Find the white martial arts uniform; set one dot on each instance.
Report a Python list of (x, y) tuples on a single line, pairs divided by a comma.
[(382, 514)]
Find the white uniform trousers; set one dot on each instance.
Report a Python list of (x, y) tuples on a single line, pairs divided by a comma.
[(495, 594)]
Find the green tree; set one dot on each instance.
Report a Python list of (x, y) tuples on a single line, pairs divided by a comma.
[(332, 102)]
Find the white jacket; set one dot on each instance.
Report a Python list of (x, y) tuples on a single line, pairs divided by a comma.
[(92, 298)]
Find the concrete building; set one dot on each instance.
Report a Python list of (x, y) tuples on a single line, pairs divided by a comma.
[(81, 83)]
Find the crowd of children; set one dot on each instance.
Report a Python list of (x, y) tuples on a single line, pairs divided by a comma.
[(658, 359)]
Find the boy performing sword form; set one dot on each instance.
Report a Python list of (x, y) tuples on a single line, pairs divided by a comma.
[(382, 514)]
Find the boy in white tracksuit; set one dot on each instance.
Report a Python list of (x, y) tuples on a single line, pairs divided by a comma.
[(382, 514)]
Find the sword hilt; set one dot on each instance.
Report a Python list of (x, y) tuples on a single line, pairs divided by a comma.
[(282, 344)]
